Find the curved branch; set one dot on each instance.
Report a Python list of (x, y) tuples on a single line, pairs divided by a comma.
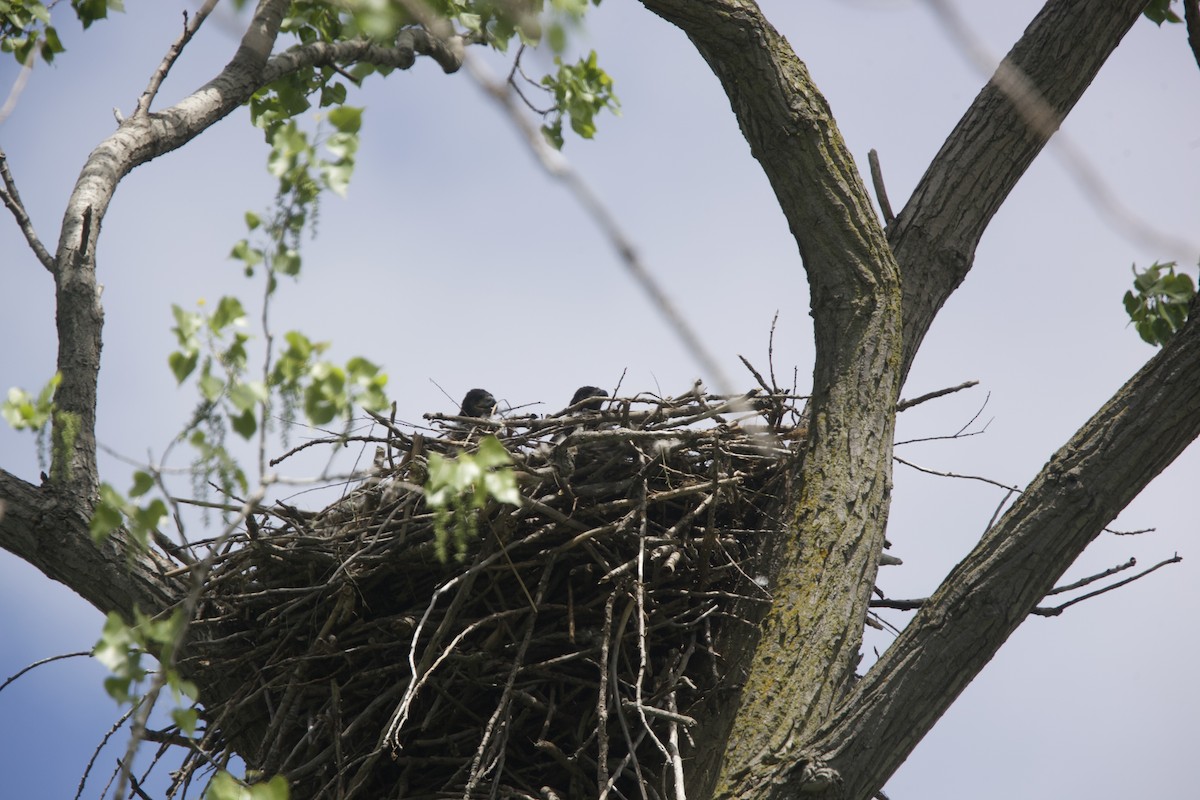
[(992, 146), (12, 200), (820, 575), (1128, 442), (144, 137), (53, 537)]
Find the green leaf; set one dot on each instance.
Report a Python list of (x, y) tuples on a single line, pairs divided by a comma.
[(109, 514), (229, 312), (1159, 11), (1160, 302), (244, 424), (347, 119), (287, 261), (182, 364), (211, 387), (142, 483), (23, 411), (246, 395), (333, 94), (187, 325), (186, 719), (226, 787)]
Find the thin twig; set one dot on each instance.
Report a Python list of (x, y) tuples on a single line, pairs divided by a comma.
[(905, 404), (12, 200), (558, 167), (955, 475), (87, 771), (14, 94), (1044, 121), (164, 67), (880, 190), (1079, 584), (41, 662), (1056, 610)]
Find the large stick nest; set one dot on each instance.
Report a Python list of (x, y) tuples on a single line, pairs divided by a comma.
[(567, 655)]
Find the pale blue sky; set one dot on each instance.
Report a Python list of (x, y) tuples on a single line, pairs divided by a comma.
[(455, 260)]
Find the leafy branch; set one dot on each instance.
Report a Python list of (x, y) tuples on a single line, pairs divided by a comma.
[(1159, 301)]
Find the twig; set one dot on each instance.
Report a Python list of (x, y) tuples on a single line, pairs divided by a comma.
[(602, 778), (1056, 610), (1044, 121), (558, 167), (14, 94), (12, 200), (188, 608), (1079, 584), (164, 67), (999, 508), (955, 475), (880, 189), (899, 605), (673, 748), (41, 662), (905, 404), (1130, 533), (103, 741)]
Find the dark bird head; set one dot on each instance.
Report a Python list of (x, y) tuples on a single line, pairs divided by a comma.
[(584, 392), (478, 403)]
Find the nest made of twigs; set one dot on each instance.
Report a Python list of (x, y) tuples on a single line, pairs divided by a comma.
[(566, 656)]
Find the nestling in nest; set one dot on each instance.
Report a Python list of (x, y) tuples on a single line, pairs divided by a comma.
[(566, 655)]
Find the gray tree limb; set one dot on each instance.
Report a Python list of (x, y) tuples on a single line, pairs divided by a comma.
[(1128, 442), (53, 536), (820, 575), (933, 241), (35, 528), (992, 146)]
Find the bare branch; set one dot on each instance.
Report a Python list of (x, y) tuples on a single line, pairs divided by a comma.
[(885, 205), (1041, 118), (40, 663), (1128, 442), (906, 404), (940, 474), (160, 74), (557, 166), (1056, 610), (936, 233), (12, 200), (899, 605), (1079, 584), (53, 537)]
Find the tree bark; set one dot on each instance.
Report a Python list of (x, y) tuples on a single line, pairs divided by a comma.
[(1129, 441), (770, 750), (820, 572), (52, 535), (992, 146), (800, 723), (48, 525)]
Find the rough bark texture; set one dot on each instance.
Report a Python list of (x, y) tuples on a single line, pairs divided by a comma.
[(52, 535), (820, 575), (990, 148), (71, 493), (771, 751), (1128, 442)]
